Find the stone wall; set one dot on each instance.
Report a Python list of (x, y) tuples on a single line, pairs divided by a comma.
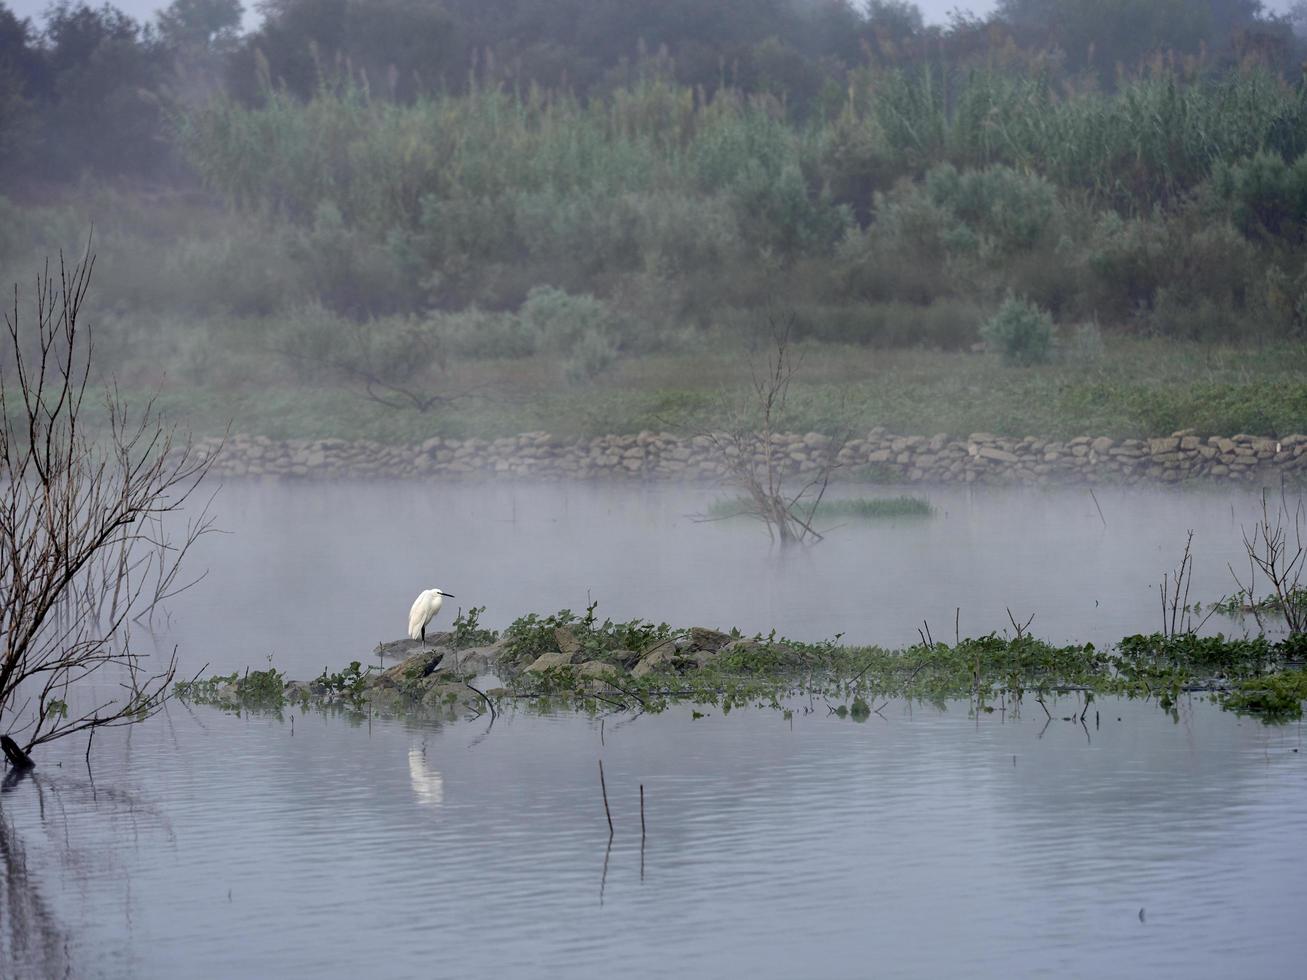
[(877, 456)]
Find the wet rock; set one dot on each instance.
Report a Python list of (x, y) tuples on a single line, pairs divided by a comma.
[(597, 668), (548, 661), (658, 657), (566, 640), (702, 638), (418, 666)]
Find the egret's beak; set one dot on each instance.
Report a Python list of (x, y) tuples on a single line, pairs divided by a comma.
[(448, 595)]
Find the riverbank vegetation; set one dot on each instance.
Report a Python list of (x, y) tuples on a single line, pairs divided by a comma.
[(445, 220), (566, 661)]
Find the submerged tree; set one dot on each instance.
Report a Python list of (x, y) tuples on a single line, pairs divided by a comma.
[(754, 463), (86, 543)]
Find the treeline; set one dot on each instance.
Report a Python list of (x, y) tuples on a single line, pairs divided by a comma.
[(90, 90), (389, 201)]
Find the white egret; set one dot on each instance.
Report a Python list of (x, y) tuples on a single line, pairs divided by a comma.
[(425, 607)]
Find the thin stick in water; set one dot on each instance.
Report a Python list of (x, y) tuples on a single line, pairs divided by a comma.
[(604, 788), (642, 811), (1100, 509)]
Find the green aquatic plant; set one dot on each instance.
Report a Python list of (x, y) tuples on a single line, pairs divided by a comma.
[(345, 685), (527, 637), (862, 508), (707, 668), (468, 631), (1241, 604), (1275, 699), (253, 689)]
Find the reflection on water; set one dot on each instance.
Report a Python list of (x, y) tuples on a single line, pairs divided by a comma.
[(923, 844), (317, 574), (428, 784), (918, 844)]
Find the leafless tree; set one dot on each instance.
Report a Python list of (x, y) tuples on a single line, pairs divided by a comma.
[(86, 521), (1278, 551), (754, 465)]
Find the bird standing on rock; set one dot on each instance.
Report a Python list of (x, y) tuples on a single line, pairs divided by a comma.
[(425, 607)]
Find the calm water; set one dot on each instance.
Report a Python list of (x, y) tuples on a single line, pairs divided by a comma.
[(923, 844), (318, 574)]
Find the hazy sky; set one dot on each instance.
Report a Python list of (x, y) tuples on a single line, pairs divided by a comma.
[(935, 10)]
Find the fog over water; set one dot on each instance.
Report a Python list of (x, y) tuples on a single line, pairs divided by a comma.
[(317, 574), (924, 842), (334, 230)]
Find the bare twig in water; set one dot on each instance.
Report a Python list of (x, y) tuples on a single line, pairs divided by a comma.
[(604, 789), (489, 703), (757, 465), (1176, 619), (1280, 561), (1020, 627), (1100, 509)]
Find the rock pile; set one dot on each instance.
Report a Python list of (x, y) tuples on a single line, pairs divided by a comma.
[(877, 456)]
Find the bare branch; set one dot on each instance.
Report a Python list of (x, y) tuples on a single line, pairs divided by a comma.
[(85, 538)]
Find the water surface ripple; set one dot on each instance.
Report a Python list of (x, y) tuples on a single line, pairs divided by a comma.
[(920, 845)]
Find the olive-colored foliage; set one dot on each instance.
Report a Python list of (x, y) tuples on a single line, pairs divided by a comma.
[(253, 689), (1020, 331), (529, 636), (468, 631), (1254, 675), (1276, 699)]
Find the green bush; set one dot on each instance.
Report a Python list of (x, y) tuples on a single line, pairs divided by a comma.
[(591, 354), (1264, 196), (560, 320), (1010, 211), (477, 333), (1020, 331)]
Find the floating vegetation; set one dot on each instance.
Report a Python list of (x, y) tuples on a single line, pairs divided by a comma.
[(253, 689), (571, 661), (1241, 604), (861, 508), (1275, 699)]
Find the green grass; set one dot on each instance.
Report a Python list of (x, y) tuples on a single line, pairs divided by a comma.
[(861, 508), (1139, 388)]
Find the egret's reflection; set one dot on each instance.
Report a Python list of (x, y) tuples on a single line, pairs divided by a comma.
[(428, 783)]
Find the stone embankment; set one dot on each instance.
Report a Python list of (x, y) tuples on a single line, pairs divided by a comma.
[(877, 456)]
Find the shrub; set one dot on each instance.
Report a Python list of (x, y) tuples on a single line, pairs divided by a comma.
[(1264, 196), (477, 333), (592, 354), (1020, 331), (348, 270), (560, 320), (1010, 210)]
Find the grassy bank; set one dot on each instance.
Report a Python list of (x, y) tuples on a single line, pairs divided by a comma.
[(1133, 389)]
